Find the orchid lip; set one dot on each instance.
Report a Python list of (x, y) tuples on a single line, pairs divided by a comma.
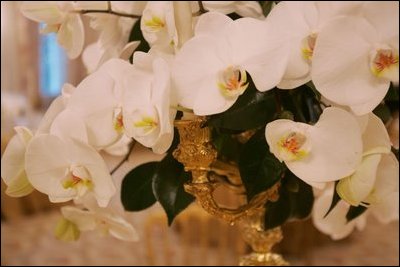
[(232, 82)]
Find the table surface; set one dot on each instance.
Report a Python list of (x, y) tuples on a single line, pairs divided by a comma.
[(31, 241)]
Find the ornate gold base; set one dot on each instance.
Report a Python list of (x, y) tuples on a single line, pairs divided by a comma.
[(262, 259), (196, 152)]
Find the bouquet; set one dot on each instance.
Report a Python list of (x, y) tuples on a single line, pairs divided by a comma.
[(298, 96)]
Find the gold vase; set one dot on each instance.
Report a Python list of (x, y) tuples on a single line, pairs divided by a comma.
[(196, 152)]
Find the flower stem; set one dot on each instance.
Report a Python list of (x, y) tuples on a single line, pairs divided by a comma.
[(131, 146), (202, 10), (108, 11)]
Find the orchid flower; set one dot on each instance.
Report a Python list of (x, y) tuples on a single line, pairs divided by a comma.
[(102, 220), (158, 25), (210, 71), (378, 163), (13, 160), (148, 117), (59, 19), (243, 8), (327, 151), (98, 100), (13, 164), (94, 55), (335, 223), (71, 170), (301, 23), (357, 57), (382, 202)]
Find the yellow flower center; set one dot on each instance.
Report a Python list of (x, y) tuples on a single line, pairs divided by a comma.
[(290, 146), (147, 124), (384, 62), (232, 82), (118, 121), (154, 24), (308, 46), (74, 181)]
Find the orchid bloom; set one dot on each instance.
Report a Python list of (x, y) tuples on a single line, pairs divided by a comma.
[(357, 57), (158, 25), (301, 23), (71, 170), (375, 181), (13, 160), (210, 70), (148, 117), (243, 8), (98, 100), (94, 55), (335, 223), (102, 220), (13, 164), (59, 18), (327, 151), (114, 32)]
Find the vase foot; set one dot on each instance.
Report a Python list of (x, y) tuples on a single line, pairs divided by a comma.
[(262, 259)]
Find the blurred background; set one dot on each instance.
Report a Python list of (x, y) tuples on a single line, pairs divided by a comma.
[(33, 70)]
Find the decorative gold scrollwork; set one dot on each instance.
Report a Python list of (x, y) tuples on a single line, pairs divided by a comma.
[(196, 152)]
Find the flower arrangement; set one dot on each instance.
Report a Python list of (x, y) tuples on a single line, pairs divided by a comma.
[(297, 94)]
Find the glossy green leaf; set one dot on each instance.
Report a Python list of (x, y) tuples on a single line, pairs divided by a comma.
[(267, 7), (259, 169), (335, 199), (136, 35), (277, 213), (136, 190), (354, 212), (383, 112), (253, 109), (168, 189), (301, 202)]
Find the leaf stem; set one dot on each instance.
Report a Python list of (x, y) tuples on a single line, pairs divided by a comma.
[(131, 146)]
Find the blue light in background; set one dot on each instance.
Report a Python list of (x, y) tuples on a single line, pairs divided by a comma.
[(53, 65)]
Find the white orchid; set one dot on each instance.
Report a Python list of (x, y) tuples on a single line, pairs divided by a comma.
[(158, 25), (59, 19), (102, 220), (301, 23), (13, 164), (210, 71), (13, 160), (66, 169), (377, 163), (148, 117), (94, 55), (335, 223), (327, 151), (243, 8), (356, 57), (98, 100)]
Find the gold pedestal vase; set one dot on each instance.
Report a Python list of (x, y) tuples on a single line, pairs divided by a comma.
[(196, 152)]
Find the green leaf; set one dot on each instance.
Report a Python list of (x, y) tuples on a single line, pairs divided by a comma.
[(335, 199), (136, 35), (227, 146), (136, 190), (277, 213), (301, 202), (296, 200), (168, 189), (383, 112), (354, 212), (259, 169), (253, 109), (267, 7)]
